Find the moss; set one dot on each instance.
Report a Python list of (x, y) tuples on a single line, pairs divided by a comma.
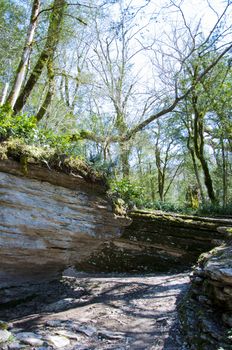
[(84, 134), (172, 220), (4, 325), (3, 152), (229, 232), (18, 150), (119, 206), (24, 164), (203, 258)]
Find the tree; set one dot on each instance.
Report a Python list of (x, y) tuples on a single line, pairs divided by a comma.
[(12, 30), (23, 64), (112, 63), (47, 54), (197, 111), (180, 50), (165, 150)]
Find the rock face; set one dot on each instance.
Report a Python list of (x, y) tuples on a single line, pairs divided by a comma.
[(206, 312), (48, 225), (50, 220), (158, 242)]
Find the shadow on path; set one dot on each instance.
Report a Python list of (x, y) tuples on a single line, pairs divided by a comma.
[(140, 310)]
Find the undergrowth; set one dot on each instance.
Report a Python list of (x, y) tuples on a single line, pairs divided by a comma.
[(20, 135), (25, 127), (23, 140)]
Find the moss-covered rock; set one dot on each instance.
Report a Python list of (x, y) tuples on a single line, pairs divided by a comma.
[(157, 242), (49, 158), (202, 325), (206, 311)]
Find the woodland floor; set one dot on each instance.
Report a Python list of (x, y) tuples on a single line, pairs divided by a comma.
[(105, 312)]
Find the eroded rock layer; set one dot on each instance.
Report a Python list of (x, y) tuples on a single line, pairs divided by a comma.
[(45, 227), (206, 312), (158, 241)]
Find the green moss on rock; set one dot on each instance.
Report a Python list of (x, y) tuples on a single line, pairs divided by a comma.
[(18, 150)]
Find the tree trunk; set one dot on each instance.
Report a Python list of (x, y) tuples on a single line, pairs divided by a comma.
[(151, 183), (23, 64), (124, 148), (196, 170), (4, 94), (208, 179), (160, 176), (47, 53), (50, 92), (124, 159), (158, 161), (199, 150), (224, 174)]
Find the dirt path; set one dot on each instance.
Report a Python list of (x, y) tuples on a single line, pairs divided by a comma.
[(112, 312)]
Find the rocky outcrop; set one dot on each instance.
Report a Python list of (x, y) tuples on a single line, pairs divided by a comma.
[(158, 241), (206, 312), (49, 220), (54, 213)]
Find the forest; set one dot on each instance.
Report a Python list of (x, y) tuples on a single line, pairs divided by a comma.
[(141, 90)]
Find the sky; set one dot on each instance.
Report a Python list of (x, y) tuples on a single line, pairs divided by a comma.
[(162, 27), (160, 21)]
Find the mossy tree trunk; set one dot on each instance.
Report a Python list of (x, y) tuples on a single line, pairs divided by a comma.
[(162, 164), (51, 87), (53, 34), (124, 147), (194, 160), (198, 139), (224, 172), (24, 62)]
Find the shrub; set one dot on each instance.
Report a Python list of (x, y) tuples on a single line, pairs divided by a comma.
[(130, 192), (25, 127), (168, 207), (16, 126), (215, 209)]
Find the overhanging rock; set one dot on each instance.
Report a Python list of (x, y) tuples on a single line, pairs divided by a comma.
[(158, 242), (48, 221)]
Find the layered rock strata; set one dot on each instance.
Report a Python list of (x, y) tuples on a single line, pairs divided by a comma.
[(158, 241), (206, 312), (48, 221)]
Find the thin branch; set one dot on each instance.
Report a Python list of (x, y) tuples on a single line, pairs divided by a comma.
[(164, 111)]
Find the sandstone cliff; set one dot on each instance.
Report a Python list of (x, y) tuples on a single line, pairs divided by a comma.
[(158, 241), (49, 220), (54, 213)]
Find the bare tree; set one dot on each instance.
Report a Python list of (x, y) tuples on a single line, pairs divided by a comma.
[(112, 62), (171, 57)]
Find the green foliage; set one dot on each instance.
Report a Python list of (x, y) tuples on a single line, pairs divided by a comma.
[(62, 142), (26, 128), (168, 207), (204, 209), (23, 140), (15, 126), (215, 209), (130, 192)]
